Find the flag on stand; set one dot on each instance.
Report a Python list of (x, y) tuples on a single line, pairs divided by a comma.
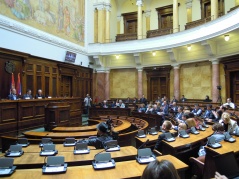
[(19, 86), (12, 83)]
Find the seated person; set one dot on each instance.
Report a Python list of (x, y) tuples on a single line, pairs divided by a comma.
[(135, 100), (217, 114), (104, 104), (164, 109), (174, 100), (219, 136), (182, 126), (197, 111), (155, 109), (190, 122), (183, 99), (103, 135), (167, 125), (158, 100), (207, 99), (208, 115), (185, 116), (174, 108), (120, 104), (228, 124), (13, 95), (179, 115), (28, 95), (142, 108), (149, 109), (39, 94), (229, 104), (163, 169), (143, 100), (127, 100)]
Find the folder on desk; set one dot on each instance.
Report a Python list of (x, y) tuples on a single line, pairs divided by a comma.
[(55, 164), (145, 156), (153, 131), (14, 151), (6, 166), (48, 150), (69, 142), (229, 138), (45, 141), (169, 137), (212, 143), (81, 148), (103, 161), (194, 131), (183, 134), (141, 134), (111, 146), (23, 142)]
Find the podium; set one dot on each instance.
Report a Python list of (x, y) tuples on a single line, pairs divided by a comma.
[(57, 114)]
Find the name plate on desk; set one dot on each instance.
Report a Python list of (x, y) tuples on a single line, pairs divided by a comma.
[(14, 154), (104, 165), (55, 169), (146, 159)]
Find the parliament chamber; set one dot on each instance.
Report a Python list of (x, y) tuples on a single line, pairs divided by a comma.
[(106, 51)]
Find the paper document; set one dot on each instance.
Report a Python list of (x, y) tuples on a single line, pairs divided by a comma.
[(47, 153), (104, 165), (148, 159), (14, 154), (81, 151)]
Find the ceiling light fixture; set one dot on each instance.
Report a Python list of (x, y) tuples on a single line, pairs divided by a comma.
[(189, 47), (226, 37), (117, 56), (153, 53)]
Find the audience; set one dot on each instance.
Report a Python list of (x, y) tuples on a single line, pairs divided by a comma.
[(160, 170)]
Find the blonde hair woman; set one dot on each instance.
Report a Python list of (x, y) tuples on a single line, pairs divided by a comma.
[(228, 124)]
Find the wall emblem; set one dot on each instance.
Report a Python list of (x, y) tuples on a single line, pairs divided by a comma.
[(10, 67)]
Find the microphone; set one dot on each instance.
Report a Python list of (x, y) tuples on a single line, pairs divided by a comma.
[(146, 142), (99, 153)]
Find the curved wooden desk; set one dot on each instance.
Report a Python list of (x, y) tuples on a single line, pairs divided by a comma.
[(126, 169), (123, 126), (180, 145), (34, 160)]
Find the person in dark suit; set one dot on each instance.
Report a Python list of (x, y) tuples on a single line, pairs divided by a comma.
[(13, 95), (179, 114), (104, 104), (39, 94), (103, 135), (167, 125), (208, 115), (183, 99), (28, 95), (143, 100), (197, 111)]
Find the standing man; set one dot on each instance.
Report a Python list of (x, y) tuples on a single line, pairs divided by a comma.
[(87, 102)]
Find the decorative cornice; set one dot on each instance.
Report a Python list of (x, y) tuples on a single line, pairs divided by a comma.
[(119, 18), (139, 2), (147, 13), (102, 6), (188, 4), (20, 28)]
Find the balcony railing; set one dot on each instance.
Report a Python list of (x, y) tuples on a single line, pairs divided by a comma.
[(199, 22), (126, 37)]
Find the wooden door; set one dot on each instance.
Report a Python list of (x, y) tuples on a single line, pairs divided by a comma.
[(132, 26), (207, 7), (234, 83), (166, 21), (155, 90), (66, 86)]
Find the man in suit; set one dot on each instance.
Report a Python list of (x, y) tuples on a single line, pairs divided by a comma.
[(174, 108), (179, 114), (197, 111), (229, 103), (13, 95), (28, 95), (208, 115), (143, 100), (39, 94), (104, 104), (87, 102)]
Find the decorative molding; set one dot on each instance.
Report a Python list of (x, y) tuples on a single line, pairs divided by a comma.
[(215, 61), (25, 30), (188, 4), (137, 58), (175, 66), (98, 61), (208, 48), (119, 18), (217, 27), (139, 2), (102, 6), (147, 13), (171, 53)]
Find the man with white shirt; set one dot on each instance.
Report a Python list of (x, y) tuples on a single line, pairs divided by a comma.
[(229, 103)]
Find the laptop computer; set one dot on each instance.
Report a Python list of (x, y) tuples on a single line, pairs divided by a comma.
[(226, 164)]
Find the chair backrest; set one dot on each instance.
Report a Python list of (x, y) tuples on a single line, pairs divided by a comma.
[(198, 166)]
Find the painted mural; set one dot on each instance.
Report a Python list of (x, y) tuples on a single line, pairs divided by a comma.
[(62, 18)]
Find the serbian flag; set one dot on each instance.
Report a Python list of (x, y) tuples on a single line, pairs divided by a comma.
[(19, 86), (12, 83)]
